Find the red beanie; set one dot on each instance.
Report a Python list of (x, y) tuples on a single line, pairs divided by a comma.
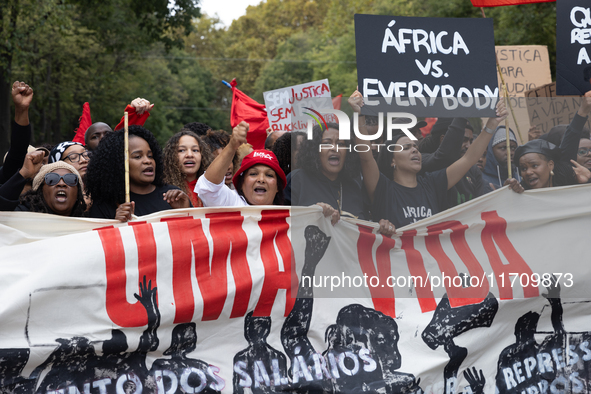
[(264, 157)]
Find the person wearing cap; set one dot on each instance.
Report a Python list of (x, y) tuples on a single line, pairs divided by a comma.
[(410, 197), (258, 181), (495, 171), (57, 189), (542, 164)]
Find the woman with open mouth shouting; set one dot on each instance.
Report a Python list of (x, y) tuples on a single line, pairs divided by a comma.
[(186, 157), (148, 192), (57, 189), (541, 164), (328, 174), (408, 197), (259, 181)]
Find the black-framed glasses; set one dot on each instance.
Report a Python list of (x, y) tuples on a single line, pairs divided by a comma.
[(584, 151), (53, 179), (75, 157)]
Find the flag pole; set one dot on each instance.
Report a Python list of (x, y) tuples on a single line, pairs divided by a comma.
[(509, 172), (126, 148)]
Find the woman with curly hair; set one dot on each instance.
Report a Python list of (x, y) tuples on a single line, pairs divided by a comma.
[(328, 173), (105, 178), (186, 157), (57, 189)]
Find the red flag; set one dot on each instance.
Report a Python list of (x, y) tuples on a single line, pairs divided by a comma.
[(497, 3), (336, 101), (132, 118), (83, 124), (246, 109)]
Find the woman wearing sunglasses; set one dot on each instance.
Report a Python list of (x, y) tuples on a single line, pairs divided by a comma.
[(57, 189), (410, 197)]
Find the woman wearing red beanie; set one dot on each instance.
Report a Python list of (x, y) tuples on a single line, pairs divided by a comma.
[(259, 181)]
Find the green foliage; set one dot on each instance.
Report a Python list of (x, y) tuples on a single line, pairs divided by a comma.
[(109, 52)]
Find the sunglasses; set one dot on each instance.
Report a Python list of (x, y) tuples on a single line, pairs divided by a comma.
[(53, 179), (584, 151)]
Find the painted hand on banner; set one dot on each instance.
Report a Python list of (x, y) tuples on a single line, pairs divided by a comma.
[(32, 164), (125, 211), (585, 107), (329, 212), (22, 95), (475, 379), (356, 101), (514, 185), (177, 199), (553, 289), (502, 113), (386, 228), (141, 105), (582, 173), (148, 298), (239, 134)]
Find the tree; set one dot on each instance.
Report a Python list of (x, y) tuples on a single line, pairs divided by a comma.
[(56, 41)]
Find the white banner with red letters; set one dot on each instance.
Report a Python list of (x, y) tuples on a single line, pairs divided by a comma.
[(489, 296)]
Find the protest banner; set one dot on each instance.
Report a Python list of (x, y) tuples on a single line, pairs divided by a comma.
[(287, 107), (546, 110), (405, 63), (271, 299), (573, 47), (524, 67)]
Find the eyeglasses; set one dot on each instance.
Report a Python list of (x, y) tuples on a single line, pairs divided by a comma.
[(53, 179), (410, 146), (584, 151), (75, 157)]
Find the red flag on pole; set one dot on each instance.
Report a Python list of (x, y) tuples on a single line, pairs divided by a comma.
[(133, 118), (497, 3), (246, 109), (83, 124)]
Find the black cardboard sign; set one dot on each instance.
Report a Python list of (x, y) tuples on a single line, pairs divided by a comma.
[(450, 62), (573, 47)]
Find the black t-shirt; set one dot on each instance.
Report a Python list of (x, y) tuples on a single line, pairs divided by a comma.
[(403, 205), (344, 193), (145, 204)]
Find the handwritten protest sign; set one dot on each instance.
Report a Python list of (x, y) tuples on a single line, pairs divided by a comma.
[(573, 47), (286, 107), (405, 63), (524, 67), (546, 110)]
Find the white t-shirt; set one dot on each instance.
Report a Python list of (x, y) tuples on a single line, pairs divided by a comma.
[(220, 195)]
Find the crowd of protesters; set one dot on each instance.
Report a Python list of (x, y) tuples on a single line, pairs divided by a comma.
[(201, 167)]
